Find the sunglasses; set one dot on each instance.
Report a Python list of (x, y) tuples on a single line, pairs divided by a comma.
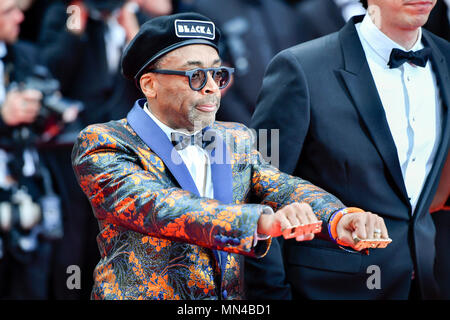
[(198, 77)]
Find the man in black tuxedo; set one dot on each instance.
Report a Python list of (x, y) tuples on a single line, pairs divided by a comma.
[(81, 42), (252, 35), (371, 124)]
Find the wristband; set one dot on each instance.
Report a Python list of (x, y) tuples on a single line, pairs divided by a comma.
[(256, 236), (334, 220)]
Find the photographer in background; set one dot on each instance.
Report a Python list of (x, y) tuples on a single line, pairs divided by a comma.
[(24, 254), (81, 43)]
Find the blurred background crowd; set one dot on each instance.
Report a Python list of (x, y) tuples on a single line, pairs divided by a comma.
[(56, 79)]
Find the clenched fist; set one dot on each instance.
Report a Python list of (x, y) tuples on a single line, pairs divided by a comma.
[(360, 226), (290, 216)]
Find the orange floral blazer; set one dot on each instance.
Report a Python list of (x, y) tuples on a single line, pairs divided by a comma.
[(158, 238)]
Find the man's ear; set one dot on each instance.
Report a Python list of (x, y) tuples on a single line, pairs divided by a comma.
[(148, 85)]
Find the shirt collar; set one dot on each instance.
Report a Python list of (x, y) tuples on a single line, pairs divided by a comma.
[(380, 43)]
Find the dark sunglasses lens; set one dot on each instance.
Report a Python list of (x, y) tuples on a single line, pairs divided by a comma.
[(222, 77), (198, 79)]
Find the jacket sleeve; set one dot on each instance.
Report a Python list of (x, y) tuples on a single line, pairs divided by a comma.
[(284, 104), (266, 277), (277, 189), (122, 192)]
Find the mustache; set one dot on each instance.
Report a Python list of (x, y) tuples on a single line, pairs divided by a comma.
[(210, 100)]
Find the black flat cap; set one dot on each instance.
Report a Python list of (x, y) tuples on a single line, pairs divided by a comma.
[(163, 34)]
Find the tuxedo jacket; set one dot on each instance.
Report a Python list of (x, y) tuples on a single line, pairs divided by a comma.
[(158, 238), (334, 133)]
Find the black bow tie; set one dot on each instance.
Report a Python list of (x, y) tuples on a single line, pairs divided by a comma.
[(180, 140), (399, 57)]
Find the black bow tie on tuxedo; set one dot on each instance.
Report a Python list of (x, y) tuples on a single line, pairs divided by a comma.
[(399, 57), (180, 140)]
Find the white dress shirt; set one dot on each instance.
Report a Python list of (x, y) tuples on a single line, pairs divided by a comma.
[(412, 104), (195, 158)]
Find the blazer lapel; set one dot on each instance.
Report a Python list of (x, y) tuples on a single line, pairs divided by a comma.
[(440, 69), (358, 79), (156, 140), (222, 180), (221, 172)]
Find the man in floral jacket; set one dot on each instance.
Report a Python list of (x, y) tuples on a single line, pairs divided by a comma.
[(180, 197)]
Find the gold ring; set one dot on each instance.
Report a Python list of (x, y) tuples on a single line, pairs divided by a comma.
[(377, 233)]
